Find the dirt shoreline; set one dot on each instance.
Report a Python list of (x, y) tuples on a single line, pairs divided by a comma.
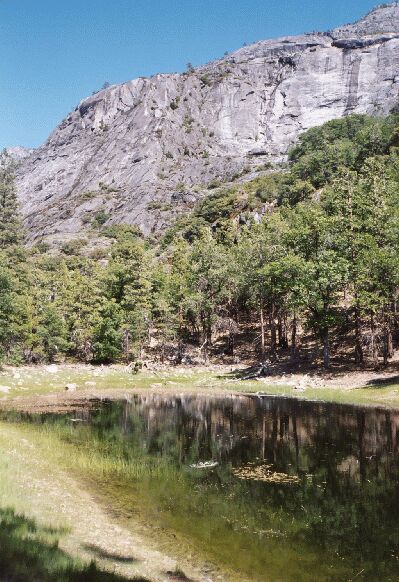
[(41, 389)]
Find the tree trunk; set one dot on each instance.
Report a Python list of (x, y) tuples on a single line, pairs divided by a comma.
[(230, 346), (390, 343), (374, 347), (282, 332), (180, 349), (273, 334), (205, 335), (358, 341), (293, 339), (204, 350), (262, 332), (388, 330), (385, 350), (326, 349)]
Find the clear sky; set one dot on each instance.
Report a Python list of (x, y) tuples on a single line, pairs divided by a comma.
[(56, 52)]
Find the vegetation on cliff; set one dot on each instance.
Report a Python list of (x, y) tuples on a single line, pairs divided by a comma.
[(305, 253)]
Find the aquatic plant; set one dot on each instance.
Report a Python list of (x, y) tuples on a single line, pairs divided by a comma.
[(254, 472)]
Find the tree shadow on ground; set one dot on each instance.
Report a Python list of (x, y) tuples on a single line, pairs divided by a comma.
[(383, 382), (29, 552), (249, 373), (105, 555)]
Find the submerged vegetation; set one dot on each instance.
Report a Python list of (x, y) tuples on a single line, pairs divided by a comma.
[(302, 261)]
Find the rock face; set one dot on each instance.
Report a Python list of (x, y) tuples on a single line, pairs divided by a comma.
[(145, 150), (18, 153)]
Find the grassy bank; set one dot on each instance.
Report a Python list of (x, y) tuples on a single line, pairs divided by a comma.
[(38, 507), (53, 526), (386, 395), (47, 384), (44, 380)]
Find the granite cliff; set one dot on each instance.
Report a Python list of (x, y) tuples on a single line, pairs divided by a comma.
[(145, 150)]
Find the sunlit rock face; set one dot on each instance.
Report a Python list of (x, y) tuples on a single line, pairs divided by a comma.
[(145, 150), (17, 153)]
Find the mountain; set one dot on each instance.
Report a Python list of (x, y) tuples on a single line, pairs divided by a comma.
[(145, 150), (18, 153)]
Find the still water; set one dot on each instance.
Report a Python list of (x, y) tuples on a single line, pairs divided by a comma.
[(293, 490)]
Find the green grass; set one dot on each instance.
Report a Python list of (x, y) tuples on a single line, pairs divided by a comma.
[(39, 381), (101, 466), (387, 395), (37, 537)]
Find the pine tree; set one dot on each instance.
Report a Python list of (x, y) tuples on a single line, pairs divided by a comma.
[(10, 225), (6, 311), (108, 335)]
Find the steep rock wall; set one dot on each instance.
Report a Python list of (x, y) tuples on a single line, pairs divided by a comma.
[(145, 150)]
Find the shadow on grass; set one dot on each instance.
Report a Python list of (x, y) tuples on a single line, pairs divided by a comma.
[(250, 373), (29, 552), (101, 553), (382, 382)]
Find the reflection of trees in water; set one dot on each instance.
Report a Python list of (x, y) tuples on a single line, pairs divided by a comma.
[(239, 428), (347, 459), (344, 511), (346, 503)]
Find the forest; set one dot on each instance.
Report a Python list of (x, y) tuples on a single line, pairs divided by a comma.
[(300, 263)]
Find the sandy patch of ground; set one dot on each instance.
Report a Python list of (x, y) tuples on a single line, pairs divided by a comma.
[(341, 380)]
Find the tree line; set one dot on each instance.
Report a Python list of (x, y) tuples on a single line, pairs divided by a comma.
[(305, 254)]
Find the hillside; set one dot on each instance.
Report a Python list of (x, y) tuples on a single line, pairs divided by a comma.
[(144, 151), (299, 266)]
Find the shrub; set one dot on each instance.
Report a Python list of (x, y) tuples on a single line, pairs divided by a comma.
[(73, 247), (100, 218)]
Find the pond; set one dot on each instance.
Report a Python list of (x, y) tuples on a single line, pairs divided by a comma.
[(268, 488)]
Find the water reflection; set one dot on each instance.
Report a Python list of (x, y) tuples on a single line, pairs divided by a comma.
[(337, 518), (295, 435)]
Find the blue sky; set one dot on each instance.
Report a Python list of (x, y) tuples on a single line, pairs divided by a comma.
[(56, 52)]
